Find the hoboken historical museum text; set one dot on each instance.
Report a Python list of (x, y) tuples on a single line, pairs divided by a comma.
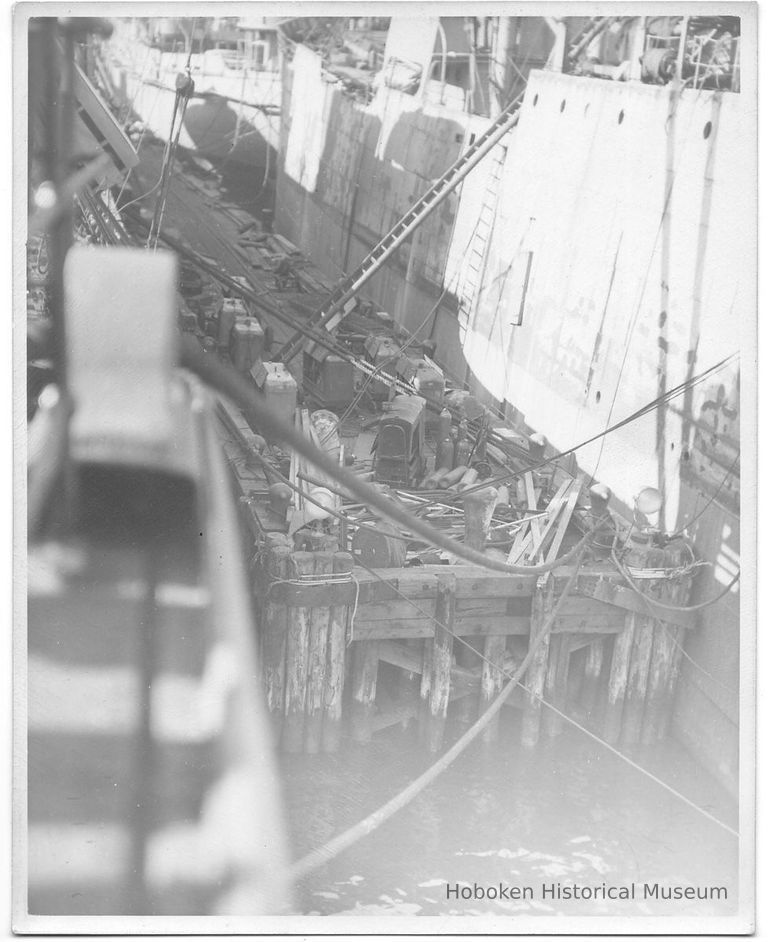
[(574, 891)]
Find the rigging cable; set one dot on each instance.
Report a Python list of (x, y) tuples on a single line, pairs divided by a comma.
[(532, 570), (711, 500), (551, 706), (349, 837), (227, 381), (639, 413), (665, 605)]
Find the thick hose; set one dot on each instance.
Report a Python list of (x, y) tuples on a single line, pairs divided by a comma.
[(338, 844), (227, 381)]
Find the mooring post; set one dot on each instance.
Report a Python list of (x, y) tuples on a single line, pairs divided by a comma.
[(317, 656), (617, 679), (556, 683), (343, 564), (274, 627), (478, 511), (365, 668), (541, 608), (593, 668), (296, 662), (442, 650), (637, 680)]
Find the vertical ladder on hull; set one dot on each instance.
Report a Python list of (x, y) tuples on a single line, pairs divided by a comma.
[(472, 269), (335, 308)]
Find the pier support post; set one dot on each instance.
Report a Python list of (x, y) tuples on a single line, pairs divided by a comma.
[(442, 649), (665, 667), (541, 608), (678, 636), (425, 688), (478, 511), (657, 694), (274, 627), (365, 669), (296, 665), (593, 668), (337, 645), (637, 680), (317, 657), (491, 681), (556, 684), (617, 680)]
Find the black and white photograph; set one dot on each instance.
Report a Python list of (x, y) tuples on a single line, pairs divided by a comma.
[(384, 548)]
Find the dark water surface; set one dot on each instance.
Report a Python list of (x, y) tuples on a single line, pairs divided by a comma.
[(568, 812)]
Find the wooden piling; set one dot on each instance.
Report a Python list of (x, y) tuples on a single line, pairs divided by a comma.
[(637, 680), (274, 628), (657, 693), (541, 608), (593, 667), (491, 681), (617, 680), (317, 657), (425, 688), (678, 640), (556, 684), (343, 564), (442, 648), (365, 668), (296, 662), (478, 511)]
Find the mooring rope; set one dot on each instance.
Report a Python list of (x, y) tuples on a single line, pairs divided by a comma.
[(552, 707), (342, 842), (351, 836)]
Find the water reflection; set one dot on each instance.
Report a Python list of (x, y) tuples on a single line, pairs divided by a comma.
[(568, 813)]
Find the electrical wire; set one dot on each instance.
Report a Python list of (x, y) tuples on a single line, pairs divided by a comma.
[(453, 283), (351, 836), (553, 564), (227, 381), (711, 500), (698, 666), (545, 702), (639, 413), (230, 383), (636, 313), (665, 605)]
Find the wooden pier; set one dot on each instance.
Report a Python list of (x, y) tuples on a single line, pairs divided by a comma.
[(349, 650), (607, 659)]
